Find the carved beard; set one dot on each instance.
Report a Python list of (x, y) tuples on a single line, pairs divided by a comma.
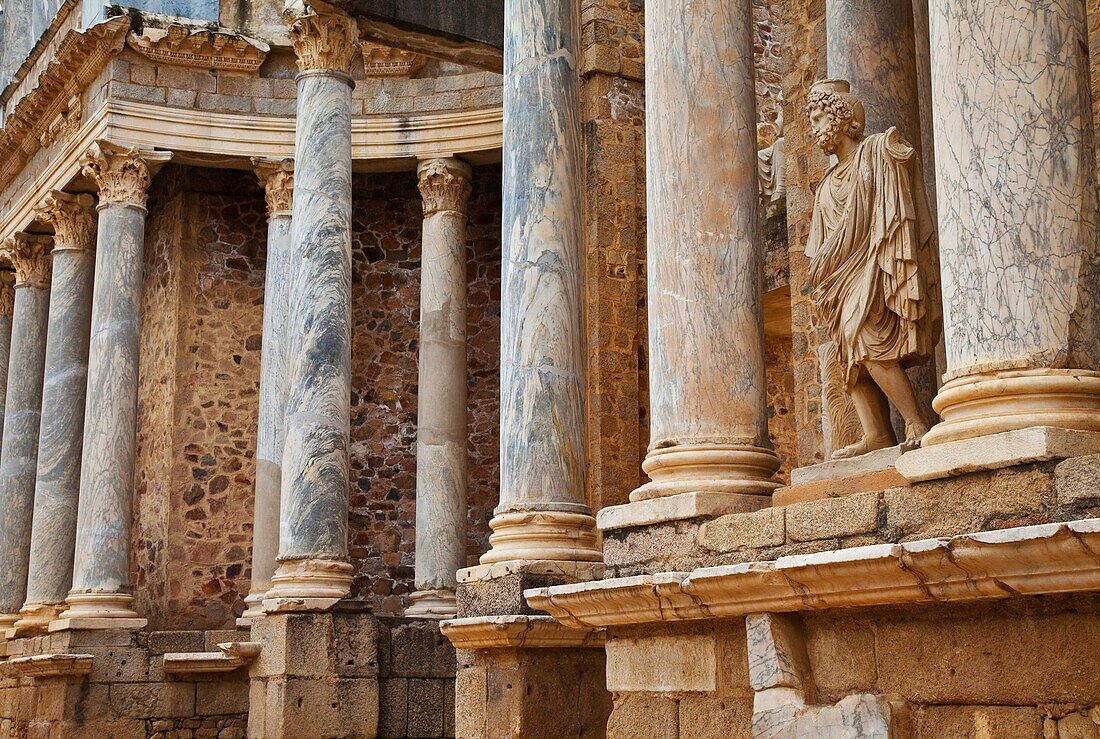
[(829, 138)]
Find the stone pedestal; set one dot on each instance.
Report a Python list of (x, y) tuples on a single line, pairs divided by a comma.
[(542, 513), (708, 429), (277, 177), (30, 256), (57, 489), (1019, 254), (441, 410), (313, 570), (100, 595)]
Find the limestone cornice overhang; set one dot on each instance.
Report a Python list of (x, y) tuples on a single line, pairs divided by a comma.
[(517, 632), (1031, 560)]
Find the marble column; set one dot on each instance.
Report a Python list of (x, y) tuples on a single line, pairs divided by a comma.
[(709, 442), (1020, 260), (30, 255), (441, 404), (61, 434), (542, 513), (313, 569), (7, 309), (277, 177), (100, 594)]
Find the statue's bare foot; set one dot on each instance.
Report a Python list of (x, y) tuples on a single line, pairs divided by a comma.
[(863, 446), (914, 432)]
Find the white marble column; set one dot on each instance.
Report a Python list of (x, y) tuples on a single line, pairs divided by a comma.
[(313, 569), (709, 442), (1020, 260), (30, 255), (100, 594), (7, 309), (441, 403), (277, 177), (61, 435), (542, 513)]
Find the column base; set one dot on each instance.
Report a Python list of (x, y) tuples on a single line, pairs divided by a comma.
[(98, 611), (439, 604), (308, 585), (542, 535), (35, 618), (7, 621), (723, 469), (996, 402), (254, 608)]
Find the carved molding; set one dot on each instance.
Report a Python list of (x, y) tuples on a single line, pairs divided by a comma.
[(326, 40), (53, 665), (53, 109), (386, 61), (122, 172), (182, 46), (7, 293), (277, 177), (30, 255), (515, 632), (444, 185), (73, 218)]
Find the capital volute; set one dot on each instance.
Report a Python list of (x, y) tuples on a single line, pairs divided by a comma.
[(325, 39), (123, 173), (7, 293), (277, 177), (73, 218), (444, 185), (29, 254)]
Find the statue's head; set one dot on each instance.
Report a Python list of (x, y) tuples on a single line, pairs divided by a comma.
[(834, 112)]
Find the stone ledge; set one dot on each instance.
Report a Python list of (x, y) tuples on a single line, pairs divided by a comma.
[(81, 624), (53, 665), (231, 656), (836, 469), (517, 632), (677, 508), (1030, 560)]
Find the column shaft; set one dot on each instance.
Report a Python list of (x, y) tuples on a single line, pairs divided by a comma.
[(278, 180), (19, 449), (708, 428), (313, 570), (441, 404), (542, 513), (61, 434), (100, 592), (7, 308), (1020, 259)]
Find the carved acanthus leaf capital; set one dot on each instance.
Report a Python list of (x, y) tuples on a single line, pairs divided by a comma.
[(122, 172), (325, 40), (73, 218), (277, 177), (444, 185), (7, 293), (30, 255)]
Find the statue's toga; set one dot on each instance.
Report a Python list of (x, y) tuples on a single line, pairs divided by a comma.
[(873, 265)]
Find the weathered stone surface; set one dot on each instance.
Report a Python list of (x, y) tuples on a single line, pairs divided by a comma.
[(832, 518), (153, 700), (161, 642), (869, 716), (948, 722), (419, 650), (682, 662), (842, 652), (426, 707), (357, 644), (393, 707), (705, 717), (1077, 480), (776, 652), (294, 645), (501, 596), (763, 528), (643, 717), (222, 697)]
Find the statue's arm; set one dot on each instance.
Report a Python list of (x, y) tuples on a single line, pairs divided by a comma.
[(896, 146)]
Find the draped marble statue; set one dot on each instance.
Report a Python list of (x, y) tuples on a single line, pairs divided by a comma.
[(872, 251)]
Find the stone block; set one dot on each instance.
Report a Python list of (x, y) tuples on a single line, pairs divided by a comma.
[(1077, 480), (449, 707), (643, 717), (707, 717), (393, 707), (211, 639), (153, 700), (838, 469), (162, 642), (356, 641), (833, 518), (418, 649), (113, 727), (871, 716), (294, 645), (662, 547), (842, 653), (257, 709), (471, 694), (425, 708), (305, 707), (224, 103), (140, 93), (221, 698), (868, 482), (63, 641), (118, 664), (662, 663), (949, 722), (763, 528), (185, 78), (502, 596), (677, 508), (776, 651)]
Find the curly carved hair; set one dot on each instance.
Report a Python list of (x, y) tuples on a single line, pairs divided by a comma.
[(838, 109)]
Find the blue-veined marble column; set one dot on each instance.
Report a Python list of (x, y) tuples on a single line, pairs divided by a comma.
[(1019, 253), (30, 255), (441, 436), (61, 434), (542, 513), (313, 570), (100, 596), (277, 177)]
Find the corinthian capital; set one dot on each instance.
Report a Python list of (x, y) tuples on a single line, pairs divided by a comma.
[(30, 255), (7, 293), (277, 177), (444, 185), (73, 218), (325, 39), (122, 172)]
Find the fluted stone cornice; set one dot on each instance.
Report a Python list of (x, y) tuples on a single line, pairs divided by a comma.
[(73, 218), (277, 177), (7, 293), (30, 255), (325, 40), (444, 185), (122, 172)]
